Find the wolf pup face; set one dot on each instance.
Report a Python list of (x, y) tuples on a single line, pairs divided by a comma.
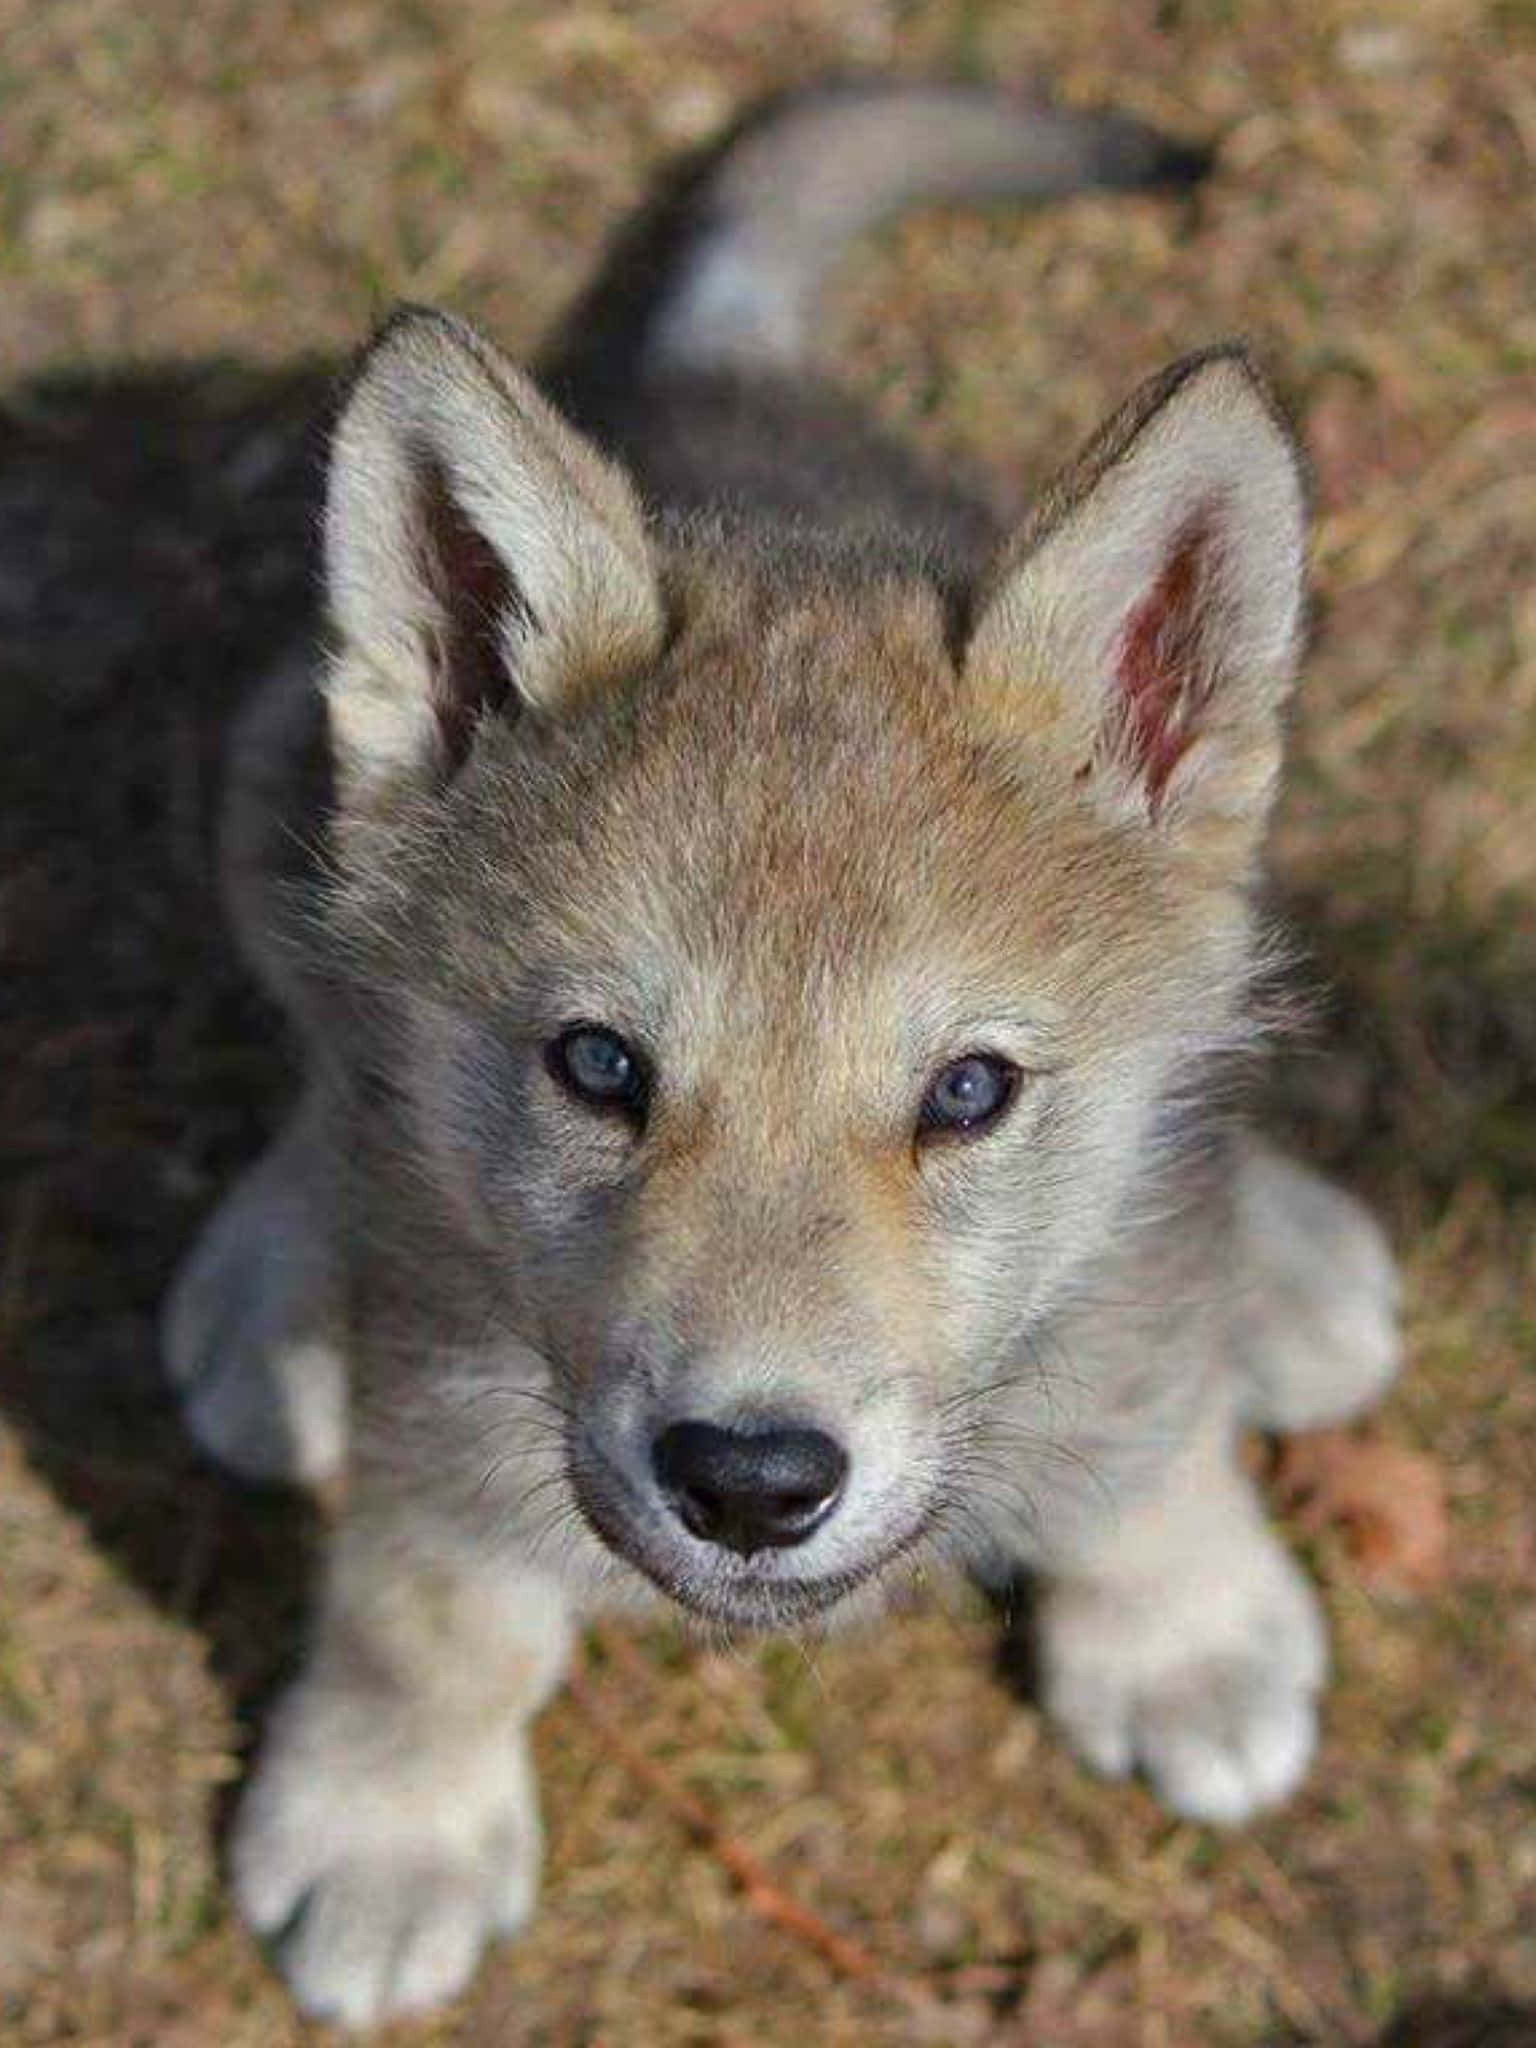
[(787, 966)]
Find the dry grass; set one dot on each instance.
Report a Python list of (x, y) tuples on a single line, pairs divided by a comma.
[(252, 183)]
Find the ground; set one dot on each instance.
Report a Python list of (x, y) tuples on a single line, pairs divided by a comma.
[(201, 209)]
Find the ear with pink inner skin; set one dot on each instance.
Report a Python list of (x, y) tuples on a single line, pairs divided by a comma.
[(1143, 629), (481, 559)]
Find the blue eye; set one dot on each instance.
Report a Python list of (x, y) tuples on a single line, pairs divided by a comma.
[(968, 1096), (598, 1068)]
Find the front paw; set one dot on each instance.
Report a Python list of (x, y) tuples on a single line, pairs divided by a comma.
[(1210, 1689), (379, 1859)]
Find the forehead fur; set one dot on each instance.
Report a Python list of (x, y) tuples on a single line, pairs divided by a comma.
[(798, 797)]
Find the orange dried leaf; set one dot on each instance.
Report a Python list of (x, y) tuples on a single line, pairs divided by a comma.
[(1386, 1502)]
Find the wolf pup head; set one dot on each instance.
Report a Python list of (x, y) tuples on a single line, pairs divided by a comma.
[(787, 982)]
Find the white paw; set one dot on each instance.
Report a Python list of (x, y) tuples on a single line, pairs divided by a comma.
[(1319, 1317), (262, 1387), (1211, 1693), (381, 1865)]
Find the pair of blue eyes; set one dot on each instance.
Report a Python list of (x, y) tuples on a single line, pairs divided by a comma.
[(599, 1069)]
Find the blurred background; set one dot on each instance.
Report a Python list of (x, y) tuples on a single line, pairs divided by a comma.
[(203, 207)]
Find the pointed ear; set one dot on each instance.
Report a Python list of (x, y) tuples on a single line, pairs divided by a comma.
[(478, 555), (1144, 628)]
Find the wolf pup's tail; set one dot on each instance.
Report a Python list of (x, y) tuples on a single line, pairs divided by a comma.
[(721, 273)]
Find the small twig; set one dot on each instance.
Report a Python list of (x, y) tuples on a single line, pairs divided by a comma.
[(761, 1892)]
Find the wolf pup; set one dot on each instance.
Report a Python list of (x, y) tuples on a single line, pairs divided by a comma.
[(762, 942)]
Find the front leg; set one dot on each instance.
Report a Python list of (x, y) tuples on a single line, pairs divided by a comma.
[(392, 1827), (1186, 1643), (252, 1330)]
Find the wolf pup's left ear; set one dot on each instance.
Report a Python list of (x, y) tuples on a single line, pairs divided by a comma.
[(1144, 628), (478, 553)]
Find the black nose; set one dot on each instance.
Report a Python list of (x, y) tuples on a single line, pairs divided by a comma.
[(759, 1489)]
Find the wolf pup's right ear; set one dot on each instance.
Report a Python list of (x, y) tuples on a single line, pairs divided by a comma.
[(1142, 631), (478, 553)]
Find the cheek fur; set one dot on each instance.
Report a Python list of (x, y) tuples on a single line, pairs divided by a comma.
[(1006, 1219), (513, 1159)]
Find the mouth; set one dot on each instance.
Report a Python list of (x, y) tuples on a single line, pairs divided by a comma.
[(743, 1594)]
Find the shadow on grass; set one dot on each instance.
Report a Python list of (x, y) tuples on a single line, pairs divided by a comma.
[(1454, 2023), (154, 551), (1419, 1069)]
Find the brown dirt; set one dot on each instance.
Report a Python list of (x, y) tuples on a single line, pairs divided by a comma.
[(187, 189)]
